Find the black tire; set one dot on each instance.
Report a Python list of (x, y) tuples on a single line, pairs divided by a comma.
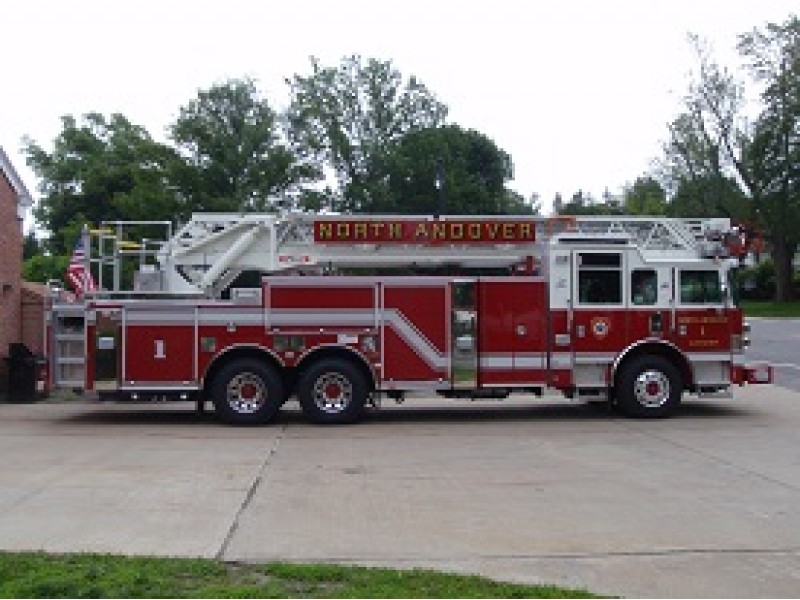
[(333, 391), (649, 387), (247, 392)]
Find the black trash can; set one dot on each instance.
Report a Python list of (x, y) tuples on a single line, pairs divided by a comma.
[(23, 373)]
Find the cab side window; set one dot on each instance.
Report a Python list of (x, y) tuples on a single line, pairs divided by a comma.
[(599, 278), (644, 287), (700, 287)]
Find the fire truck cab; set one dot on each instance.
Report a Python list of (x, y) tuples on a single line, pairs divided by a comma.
[(631, 310)]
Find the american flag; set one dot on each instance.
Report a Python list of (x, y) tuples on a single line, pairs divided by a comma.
[(77, 273)]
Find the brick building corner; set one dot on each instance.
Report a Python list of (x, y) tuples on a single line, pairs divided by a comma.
[(14, 201)]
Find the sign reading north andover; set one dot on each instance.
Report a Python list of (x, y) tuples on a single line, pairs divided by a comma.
[(424, 232)]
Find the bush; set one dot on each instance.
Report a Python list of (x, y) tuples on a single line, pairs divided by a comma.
[(757, 282)]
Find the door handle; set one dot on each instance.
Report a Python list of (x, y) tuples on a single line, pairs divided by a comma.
[(656, 323)]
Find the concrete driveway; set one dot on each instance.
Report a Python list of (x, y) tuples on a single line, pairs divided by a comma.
[(703, 504)]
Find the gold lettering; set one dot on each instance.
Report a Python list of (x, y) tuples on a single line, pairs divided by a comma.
[(395, 231), (526, 231), (494, 228), (508, 231), (343, 231), (360, 231), (325, 231), (474, 231), (439, 231), (421, 232), (703, 343), (457, 231), (377, 229)]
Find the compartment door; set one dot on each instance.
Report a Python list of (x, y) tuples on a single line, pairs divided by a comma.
[(512, 332)]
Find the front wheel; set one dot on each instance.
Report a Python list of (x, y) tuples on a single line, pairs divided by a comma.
[(247, 392), (333, 391), (650, 387)]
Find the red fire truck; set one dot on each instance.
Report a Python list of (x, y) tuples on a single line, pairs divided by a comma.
[(630, 310)]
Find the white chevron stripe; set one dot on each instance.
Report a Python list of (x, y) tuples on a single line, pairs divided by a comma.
[(415, 339)]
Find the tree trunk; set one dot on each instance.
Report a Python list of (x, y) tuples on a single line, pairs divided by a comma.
[(783, 254)]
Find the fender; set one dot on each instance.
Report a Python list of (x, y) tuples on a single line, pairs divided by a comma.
[(647, 341), (237, 347)]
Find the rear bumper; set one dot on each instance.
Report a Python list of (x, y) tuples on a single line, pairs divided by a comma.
[(754, 373)]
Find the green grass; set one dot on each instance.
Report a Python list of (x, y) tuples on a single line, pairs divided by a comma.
[(39, 575), (753, 308)]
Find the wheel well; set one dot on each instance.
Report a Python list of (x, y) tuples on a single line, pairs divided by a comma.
[(666, 351), (341, 354), (244, 352)]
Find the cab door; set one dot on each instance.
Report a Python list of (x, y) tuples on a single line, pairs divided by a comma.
[(599, 322), (649, 300), (702, 326)]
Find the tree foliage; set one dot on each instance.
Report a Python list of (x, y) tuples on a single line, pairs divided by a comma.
[(349, 116), (30, 245), (645, 197), (713, 146), (42, 268), (447, 170), (236, 155), (582, 203), (710, 196), (773, 158), (100, 169)]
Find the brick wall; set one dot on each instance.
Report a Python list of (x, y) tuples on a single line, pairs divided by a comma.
[(10, 273), (32, 316)]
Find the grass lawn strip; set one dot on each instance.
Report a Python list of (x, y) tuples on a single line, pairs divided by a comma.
[(40, 575), (753, 308)]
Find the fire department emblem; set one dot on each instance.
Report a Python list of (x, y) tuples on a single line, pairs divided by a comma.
[(600, 327)]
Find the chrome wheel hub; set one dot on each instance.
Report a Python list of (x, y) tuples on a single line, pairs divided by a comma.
[(332, 392), (651, 389), (246, 393)]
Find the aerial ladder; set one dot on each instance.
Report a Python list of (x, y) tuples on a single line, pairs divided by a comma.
[(208, 252)]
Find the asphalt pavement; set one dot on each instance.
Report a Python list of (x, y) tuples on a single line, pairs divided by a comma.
[(705, 504), (777, 341)]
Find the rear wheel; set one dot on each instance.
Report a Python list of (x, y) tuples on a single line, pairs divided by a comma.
[(649, 386), (247, 392), (333, 391)]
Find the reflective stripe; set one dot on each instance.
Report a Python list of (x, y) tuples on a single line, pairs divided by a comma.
[(708, 357), (512, 361), (328, 318), (392, 317), (584, 358), (560, 360)]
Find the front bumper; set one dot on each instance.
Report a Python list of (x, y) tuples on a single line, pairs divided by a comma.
[(754, 373)]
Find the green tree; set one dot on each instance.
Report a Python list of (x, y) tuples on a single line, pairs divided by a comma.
[(710, 196), (30, 245), (237, 158), (582, 203), (447, 170), (349, 116), (644, 197), (100, 169), (42, 268), (711, 144), (773, 156)]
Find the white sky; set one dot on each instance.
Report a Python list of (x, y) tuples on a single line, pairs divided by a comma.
[(577, 92)]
